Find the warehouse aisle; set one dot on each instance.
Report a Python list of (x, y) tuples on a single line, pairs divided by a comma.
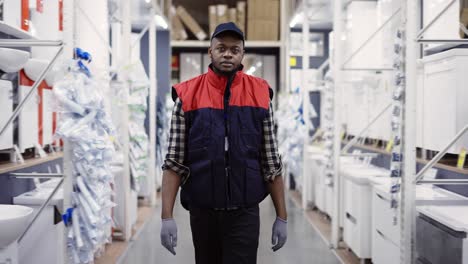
[(304, 243)]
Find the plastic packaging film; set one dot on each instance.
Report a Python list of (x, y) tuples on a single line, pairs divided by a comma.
[(397, 121), (86, 126), (292, 123)]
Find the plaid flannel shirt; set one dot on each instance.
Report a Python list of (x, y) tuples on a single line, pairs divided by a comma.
[(270, 159)]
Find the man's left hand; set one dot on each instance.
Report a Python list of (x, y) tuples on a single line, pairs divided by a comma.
[(280, 234)]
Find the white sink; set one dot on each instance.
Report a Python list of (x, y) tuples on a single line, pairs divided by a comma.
[(13, 60), (34, 67), (13, 222)]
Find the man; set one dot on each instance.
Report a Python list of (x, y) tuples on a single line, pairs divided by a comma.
[(223, 154)]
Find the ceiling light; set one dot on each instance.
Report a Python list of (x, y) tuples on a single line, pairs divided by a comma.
[(161, 22)]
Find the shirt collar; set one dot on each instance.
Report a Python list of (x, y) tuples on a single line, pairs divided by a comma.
[(219, 81)]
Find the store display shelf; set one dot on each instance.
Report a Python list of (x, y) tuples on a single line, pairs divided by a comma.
[(15, 32), (9, 167), (206, 44)]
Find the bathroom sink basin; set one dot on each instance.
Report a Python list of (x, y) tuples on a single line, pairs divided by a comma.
[(12, 60), (13, 222), (34, 67)]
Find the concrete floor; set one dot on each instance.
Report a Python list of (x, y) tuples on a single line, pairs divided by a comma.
[(304, 244)]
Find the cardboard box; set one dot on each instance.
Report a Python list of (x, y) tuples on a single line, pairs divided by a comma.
[(232, 15), (463, 16), (241, 15), (263, 20), (190, 22), (223, 16), (213, 18), (178, 31)]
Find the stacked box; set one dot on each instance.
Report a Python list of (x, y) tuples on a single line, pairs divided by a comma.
[(263, 20), (191, 23), (178, 32), (232, 15), (213, 18), (463, 16), (241, 12), (223, 16)]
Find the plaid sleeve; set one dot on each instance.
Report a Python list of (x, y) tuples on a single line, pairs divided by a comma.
[(271, 160), (176, 151)]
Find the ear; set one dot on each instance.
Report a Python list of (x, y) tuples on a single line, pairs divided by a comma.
[(209, 52)]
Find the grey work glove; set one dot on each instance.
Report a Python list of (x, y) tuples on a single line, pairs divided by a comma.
[(280, 234), (169, 234)]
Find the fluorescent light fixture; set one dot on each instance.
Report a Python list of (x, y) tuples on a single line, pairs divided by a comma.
[(297, 17), (251, 70), (161, 22), (147, 1)]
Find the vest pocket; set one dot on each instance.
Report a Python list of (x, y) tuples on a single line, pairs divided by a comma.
[(255, 188), (201, 185)]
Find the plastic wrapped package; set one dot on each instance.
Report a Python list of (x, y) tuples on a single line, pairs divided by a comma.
[(86, 126), (292, 123)]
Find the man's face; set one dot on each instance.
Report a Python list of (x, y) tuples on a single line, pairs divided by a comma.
[(226, 52)]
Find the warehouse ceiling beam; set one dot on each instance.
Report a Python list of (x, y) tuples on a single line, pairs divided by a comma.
[(371, 37), (438, 157), (36, 84)]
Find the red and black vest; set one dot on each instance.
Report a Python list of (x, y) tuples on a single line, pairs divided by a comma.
[(224, 120)]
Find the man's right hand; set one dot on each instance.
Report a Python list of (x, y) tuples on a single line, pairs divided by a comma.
[(169, 234)]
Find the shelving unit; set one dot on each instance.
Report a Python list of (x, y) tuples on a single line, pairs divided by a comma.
[(206, 44)]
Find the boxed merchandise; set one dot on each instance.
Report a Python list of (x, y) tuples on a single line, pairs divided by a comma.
[(190, 22), (212, 17), (232, 15), (463, 16), (222, 13), (178, 32), (263, 20), (241, 13)]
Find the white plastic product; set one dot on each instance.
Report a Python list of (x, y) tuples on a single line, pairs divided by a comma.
[(362, 21), (28, 120), (41, 242), (358, 208), (47, 117), (6, 101), (446, 26), (13, 60), (13, 221), (385, 235), (318, 167), (311, 175), (445, 93)]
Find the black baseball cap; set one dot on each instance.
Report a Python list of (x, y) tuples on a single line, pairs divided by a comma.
[(229, 26)]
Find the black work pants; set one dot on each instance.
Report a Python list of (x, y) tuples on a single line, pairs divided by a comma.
[(225, 236)]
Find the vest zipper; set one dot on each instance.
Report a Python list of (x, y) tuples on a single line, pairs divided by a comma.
[(227, 129)]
